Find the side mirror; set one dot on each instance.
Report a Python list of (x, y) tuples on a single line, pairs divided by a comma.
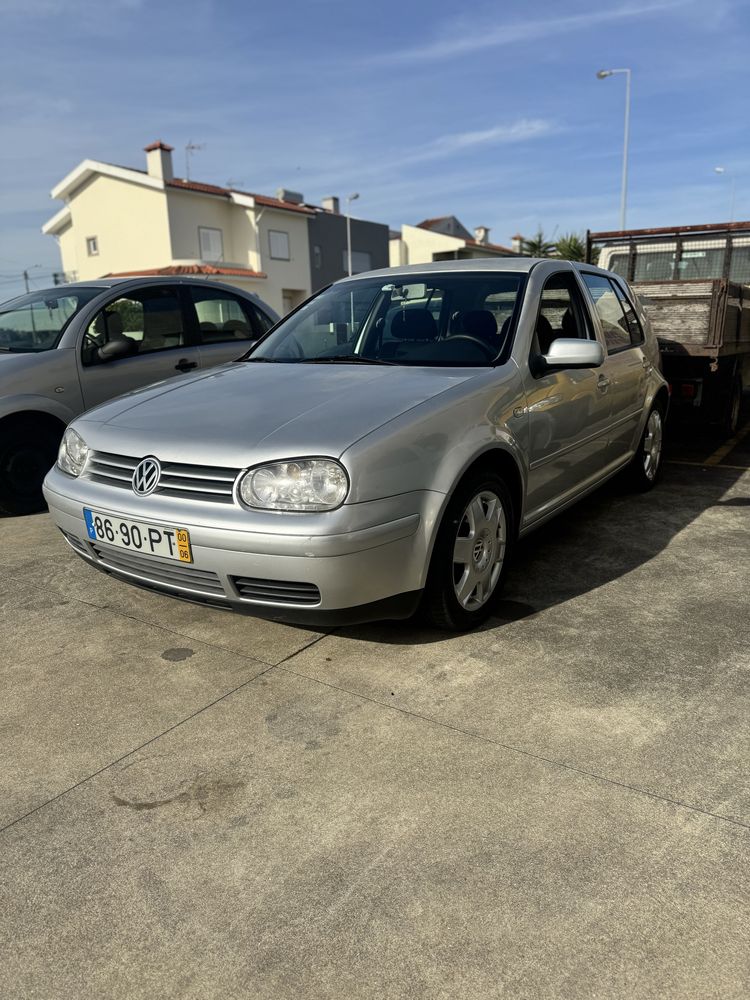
[(574, 353), (113, 350)]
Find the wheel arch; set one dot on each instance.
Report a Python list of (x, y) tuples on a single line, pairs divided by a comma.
[(34, 418)]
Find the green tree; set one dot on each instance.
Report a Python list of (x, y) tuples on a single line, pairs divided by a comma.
[(572, 246), (538, 246)]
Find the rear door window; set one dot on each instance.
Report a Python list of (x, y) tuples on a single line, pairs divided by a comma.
[(222, 317), (616, 326)]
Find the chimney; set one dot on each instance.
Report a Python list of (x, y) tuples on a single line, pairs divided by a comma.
[(331, 205), (515, 243), (159, 160), (482, 234)]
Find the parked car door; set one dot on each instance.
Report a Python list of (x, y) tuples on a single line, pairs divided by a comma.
[(567, 409), (225, 323), (145, 334), (626, 366)]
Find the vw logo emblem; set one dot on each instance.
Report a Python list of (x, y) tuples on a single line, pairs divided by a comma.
[(146, 477)]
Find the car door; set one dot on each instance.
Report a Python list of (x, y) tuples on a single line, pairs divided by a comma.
[(626, 366), (144, 332), (225, 323), (567, 408)]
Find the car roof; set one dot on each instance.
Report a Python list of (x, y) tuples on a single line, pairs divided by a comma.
[(142, 279), (479, 264)]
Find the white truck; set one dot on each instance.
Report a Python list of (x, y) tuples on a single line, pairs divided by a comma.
[(694, 284)]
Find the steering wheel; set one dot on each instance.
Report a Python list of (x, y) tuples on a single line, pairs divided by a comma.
[(488, 352)]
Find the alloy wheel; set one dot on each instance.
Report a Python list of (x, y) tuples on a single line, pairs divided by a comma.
[(479, 550)]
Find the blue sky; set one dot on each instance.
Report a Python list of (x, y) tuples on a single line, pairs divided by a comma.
[(489, 111)]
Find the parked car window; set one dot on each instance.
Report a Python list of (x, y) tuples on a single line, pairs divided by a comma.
[(36, 322), (149, 318), (221, 316), (430, 319), (634, 324), (739, 266), (562, 313), (615, 324), (618, 263)]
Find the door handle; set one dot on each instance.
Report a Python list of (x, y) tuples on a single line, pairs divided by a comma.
[(183, 365), (647, 365), (602, 383)]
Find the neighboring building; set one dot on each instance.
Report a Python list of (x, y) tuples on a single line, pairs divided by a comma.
[(121, 220), (444, 238), (328, 245)]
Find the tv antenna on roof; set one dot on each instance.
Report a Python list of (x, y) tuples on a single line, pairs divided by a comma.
[(191, 148)]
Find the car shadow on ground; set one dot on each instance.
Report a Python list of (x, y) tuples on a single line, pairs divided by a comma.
[(603, 537)]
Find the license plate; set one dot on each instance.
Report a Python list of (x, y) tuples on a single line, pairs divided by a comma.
[(170, 543)]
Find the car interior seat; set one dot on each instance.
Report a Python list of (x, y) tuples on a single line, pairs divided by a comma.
[(544, 333), (482, 325)]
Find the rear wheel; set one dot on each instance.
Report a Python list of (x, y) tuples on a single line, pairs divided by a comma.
[(731, 420), (645, 467), (471, 554), (27, 453)]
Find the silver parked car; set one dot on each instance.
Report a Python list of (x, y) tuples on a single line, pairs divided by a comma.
[(68, 348), (381, 449)]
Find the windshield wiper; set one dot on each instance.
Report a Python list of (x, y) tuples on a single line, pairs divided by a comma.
[(345, 359)]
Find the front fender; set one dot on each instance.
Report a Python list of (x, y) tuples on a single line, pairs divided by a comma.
[(32, 402)]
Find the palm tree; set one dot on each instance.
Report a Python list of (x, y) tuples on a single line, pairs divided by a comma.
[(538, 246), (572, 246)]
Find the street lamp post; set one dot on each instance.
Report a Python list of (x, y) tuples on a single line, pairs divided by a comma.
[(349, 199), (601, 75), (723, 170)]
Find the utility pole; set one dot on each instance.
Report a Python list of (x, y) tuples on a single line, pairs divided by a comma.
[(26, 280)]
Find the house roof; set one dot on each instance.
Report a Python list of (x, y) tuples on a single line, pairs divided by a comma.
[(494, 247), (89, 168), (206, 270)]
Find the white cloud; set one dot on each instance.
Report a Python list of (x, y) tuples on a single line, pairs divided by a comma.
[(466, 37)]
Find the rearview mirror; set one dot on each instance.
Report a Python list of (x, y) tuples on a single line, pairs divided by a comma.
[(574, 353)]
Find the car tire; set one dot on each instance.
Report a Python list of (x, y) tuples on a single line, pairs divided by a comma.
[(471, 554), (731, 422), (645, 467), (27, 453)]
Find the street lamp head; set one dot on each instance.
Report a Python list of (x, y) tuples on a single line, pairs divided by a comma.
[(603, 73), (352, 197)]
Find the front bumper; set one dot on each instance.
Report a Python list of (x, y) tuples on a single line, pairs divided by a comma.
[(359, 563)]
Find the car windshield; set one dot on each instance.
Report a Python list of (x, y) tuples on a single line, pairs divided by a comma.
[(36, 322), (447, 319)]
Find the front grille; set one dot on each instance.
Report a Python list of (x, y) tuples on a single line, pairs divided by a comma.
[(275, 591), (191, 482), (165, 573)]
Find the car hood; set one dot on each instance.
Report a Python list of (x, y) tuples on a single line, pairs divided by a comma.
[(244, 413)]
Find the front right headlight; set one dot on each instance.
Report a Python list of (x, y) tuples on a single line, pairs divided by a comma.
[(303, 484), (74, 451)]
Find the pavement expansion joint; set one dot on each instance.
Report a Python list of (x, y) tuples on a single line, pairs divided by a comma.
[(470, 734), (165, 732)]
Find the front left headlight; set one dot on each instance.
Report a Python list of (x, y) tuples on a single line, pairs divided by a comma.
[(73, 453), (305, 484)]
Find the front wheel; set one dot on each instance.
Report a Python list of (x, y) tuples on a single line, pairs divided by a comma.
[(471, 554), (645, 467), (27, 453)]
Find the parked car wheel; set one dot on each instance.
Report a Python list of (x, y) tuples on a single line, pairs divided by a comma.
[(731, 421), (471, 554), (27, 453), (645, 467)]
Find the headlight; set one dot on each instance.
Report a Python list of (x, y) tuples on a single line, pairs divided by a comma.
[(307, 484), (73, 453)]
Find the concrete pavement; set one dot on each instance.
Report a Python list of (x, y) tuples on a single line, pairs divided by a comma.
[(201, 805)]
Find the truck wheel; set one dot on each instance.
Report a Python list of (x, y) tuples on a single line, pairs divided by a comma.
[(732, 416), (27, 453), (645, 466), (471, 554)]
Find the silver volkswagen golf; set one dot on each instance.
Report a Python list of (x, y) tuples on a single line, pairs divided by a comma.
[(379, 451)]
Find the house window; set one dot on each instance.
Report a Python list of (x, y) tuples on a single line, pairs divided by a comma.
[(317, 257), (92, 246), (211, 243), (361, 261), (278, 244)]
